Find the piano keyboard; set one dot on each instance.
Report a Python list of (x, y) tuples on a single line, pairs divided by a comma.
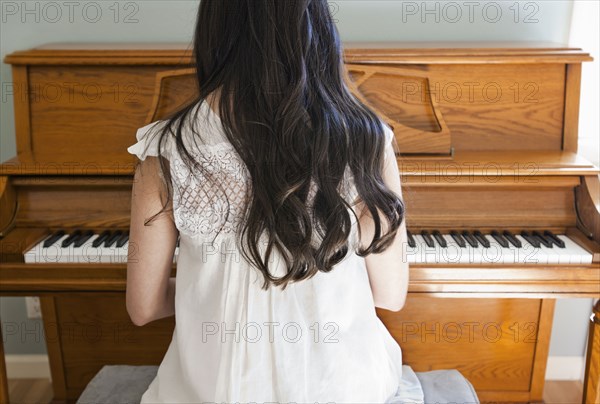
[(83, 247), (456, 247), (497, 247)]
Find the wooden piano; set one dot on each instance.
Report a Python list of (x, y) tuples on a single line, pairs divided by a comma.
[(504, 215)]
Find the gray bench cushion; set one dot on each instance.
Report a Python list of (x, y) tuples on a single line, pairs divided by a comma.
[(124, 384), (446, 386)]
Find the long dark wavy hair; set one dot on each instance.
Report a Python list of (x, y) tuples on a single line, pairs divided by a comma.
[(280, 64)]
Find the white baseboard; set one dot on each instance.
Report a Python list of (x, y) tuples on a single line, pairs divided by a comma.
[(565, 368), (27, 366)]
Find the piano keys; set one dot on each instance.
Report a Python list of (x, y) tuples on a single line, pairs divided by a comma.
[(83, 247), (487, 249), (497, 247)]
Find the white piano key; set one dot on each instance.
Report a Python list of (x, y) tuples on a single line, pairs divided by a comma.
[(577, 253), (40, 255)]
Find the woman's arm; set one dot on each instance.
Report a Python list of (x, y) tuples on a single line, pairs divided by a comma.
[(150, 289), (388, 271)]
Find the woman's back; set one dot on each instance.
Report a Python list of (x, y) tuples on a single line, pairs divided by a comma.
[(273, 298), (319, 340)]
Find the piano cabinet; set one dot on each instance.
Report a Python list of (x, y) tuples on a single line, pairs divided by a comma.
[(468, 164)]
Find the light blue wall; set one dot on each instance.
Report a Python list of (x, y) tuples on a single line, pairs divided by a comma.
[(21, 335), (569, 334), (29, 24), (453, 20)]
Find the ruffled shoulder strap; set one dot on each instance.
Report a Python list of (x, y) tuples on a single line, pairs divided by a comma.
[(148, 138), (389, 133), (389, 137)]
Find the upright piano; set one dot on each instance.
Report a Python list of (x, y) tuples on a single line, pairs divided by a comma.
[(503, 214)]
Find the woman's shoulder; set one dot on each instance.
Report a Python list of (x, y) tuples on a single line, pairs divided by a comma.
[(148, 141), (201, 128)]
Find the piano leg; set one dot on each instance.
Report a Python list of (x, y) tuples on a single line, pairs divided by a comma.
[(591, 383), (538, 377), (3, 378), (53, 345)]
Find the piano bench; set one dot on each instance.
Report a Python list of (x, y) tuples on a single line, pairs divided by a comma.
[(125, 384), (446, 386)]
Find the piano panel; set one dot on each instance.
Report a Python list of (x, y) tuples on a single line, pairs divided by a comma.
[(588, 206), (515, 106), (507, 107), (488, 203), (61, 129), (93, 329), (71, 206), (172, 90), (486, 107), (486, 329), (402, 98), (498, 203)]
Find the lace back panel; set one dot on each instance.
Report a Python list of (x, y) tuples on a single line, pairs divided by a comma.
[(208, 202)]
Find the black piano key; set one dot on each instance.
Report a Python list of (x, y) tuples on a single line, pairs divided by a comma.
[(439, 238), (543, 239), (427, 237), (530, 239), (481, 238), (123, 239), (411, 239), (458, 238), (470, 239), (53, 238), (73, 237), (511, 237), (498, 237), (558, 242), (101, 239), (84, 237), (113, 238)]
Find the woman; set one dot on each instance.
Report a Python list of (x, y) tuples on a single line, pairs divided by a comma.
[(285, 194)]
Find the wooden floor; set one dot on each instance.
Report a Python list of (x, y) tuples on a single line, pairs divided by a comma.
[(39, 391), (29, 391)]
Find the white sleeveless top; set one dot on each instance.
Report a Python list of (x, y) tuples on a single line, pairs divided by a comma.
[(319, 340)]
